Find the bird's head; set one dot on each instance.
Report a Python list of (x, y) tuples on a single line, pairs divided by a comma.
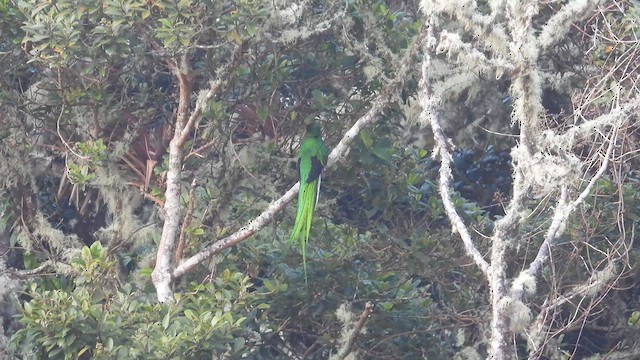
[(314, 129)]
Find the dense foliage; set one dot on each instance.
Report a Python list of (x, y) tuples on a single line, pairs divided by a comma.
[(90, 99)]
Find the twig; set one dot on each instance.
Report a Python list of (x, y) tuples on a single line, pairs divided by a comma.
[(185, 223), (62, 138), (368, 309)]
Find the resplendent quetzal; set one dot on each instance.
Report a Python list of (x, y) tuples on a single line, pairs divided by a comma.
[(312, 157)]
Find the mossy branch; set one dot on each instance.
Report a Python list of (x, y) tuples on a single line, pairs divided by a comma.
[(185, 123)]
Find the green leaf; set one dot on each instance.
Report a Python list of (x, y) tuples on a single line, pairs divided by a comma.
[(366, 136), (239, 321), (383, 152), (270, 285), (262, 112), (83, 350), (216, 318), (145, 271), (96, 250), (238, 344), (28, 308), (69, 340), (166, 22), (166, 321), (54, 352), (251, 29), (189, 314), (633, 319), (383, 9), (109, 344), (86, 252)]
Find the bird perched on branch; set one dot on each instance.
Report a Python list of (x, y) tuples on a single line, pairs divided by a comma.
[(312, 157)]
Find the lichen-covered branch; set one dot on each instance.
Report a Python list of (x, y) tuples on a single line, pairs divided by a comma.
[(185, 121), (599, 281), (351, 331), (429, 115), (536, 167), (161, 274), (563, 210), (580, 133), (557, 27)]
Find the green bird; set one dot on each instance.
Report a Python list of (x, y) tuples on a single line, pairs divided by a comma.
[(312, 157)]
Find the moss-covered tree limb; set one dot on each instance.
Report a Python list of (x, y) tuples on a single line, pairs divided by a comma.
[(185, 123), (543, 161)]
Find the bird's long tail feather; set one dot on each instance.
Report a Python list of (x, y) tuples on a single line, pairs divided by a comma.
[(307, 199)]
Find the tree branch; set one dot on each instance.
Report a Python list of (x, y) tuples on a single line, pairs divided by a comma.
[(161, 275), (561, 214), (576, 134), (559, 24), (353, 334), (338, 153), (430, 115)]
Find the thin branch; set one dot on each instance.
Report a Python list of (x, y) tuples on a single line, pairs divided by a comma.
[(430, 115), (561, 214), (186, 222), (66, 144), (346, 350), (222, 77)]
